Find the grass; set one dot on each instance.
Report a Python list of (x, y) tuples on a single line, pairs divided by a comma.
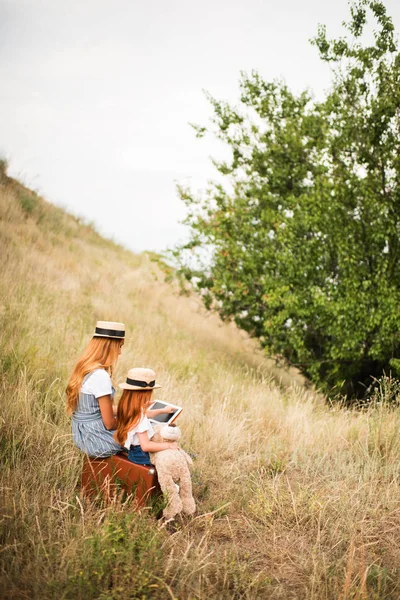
[(296, 499)]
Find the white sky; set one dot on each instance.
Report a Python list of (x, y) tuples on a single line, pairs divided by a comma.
[(96, 96)]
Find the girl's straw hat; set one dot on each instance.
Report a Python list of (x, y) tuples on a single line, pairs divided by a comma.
[(110, 329), (140, 379)]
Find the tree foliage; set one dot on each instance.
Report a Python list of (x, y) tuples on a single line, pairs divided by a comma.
[(300, 243)]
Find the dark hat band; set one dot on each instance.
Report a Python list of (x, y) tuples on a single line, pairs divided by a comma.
[(138, 383), (109, 332)]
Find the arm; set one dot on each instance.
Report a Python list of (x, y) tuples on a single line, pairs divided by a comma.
[(149, 446), (167, 410), (187, 457), (107, 413)]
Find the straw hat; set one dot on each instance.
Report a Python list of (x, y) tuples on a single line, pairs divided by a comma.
[(110, 329), (140, 379)]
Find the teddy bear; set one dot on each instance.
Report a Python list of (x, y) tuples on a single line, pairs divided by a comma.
[(173, 468)]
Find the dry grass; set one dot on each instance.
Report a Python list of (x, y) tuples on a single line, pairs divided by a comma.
[(295, 499)]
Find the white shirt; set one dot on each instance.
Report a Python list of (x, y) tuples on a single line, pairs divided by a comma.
[(98, 383), (141, 427)]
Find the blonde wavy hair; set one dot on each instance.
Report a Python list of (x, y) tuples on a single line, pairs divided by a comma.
[(100, 353), (132, 407)]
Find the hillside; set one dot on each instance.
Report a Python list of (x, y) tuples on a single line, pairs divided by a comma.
[(295, 499)]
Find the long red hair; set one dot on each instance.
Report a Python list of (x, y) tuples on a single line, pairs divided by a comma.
[(100, 353), (131, 408)]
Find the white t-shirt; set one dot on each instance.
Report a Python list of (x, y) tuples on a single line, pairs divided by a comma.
[(141, 427), (98, 383)]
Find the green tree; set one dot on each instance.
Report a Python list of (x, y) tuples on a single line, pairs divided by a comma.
[(300, 243)]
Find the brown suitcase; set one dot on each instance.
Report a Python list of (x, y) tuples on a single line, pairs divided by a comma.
[(108, 476)]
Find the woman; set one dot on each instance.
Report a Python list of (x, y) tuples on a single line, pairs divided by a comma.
[(90, 392)]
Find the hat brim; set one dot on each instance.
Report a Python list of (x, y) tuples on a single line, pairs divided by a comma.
[(127, 386), (111, 337)]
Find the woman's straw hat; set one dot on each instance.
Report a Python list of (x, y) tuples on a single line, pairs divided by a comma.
[(110, 329), (140, 379)]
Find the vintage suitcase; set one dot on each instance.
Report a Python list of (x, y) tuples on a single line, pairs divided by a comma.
[(109, 476)]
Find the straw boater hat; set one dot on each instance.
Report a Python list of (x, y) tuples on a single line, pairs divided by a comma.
[(140, 379), (110, 329)]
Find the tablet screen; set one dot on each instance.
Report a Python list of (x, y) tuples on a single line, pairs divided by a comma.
[(165, 417)]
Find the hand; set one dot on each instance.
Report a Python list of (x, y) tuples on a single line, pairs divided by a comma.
[(168, 410), (173, 446)]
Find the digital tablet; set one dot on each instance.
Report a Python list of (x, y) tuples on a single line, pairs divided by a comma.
[(166, 418)]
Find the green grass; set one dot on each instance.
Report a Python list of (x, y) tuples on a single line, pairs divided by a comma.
[(295, 499)]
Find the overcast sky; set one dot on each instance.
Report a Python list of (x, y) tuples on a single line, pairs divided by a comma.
[(96, 96)]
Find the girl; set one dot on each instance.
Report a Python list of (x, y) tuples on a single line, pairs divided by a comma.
[(134, 429), (90, 392)]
